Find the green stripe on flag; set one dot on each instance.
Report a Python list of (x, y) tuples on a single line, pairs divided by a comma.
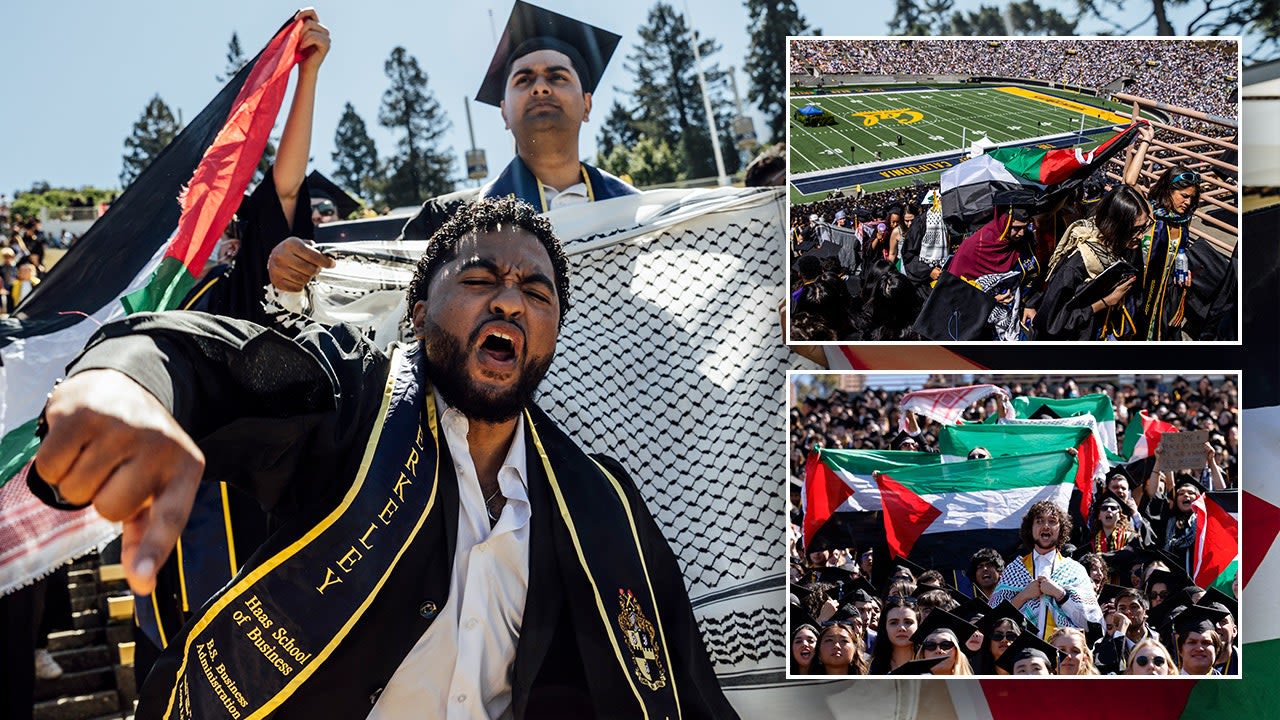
[(999, 473), (865, 462), (170, 282), (1228, 576), (1255, 695), (17, 448), (1024, 162), (1002, 440)]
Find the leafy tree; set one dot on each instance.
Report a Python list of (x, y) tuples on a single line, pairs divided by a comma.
[(1028, 18), (668, 101), (769, 23), (1257, 20), (151, 134), (648, 161), (27, 203), (907, 19), (355, 155), (422, 167)]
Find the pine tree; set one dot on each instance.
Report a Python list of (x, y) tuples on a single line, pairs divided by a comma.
[(355, 155), (668, 99), (151, 133), (769, 24), (422, 167), (235, 59)]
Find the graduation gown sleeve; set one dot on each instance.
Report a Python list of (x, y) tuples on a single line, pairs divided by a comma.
[(1056, 317)]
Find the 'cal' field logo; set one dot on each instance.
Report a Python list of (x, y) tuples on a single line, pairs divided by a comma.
[(904, 116), (641, 641)]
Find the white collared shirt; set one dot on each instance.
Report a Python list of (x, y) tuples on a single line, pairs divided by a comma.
[(479, 625), (1043, 563), (572, 195)]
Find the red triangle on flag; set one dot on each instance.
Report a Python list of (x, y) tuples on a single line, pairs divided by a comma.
[(1259, 533), (824, 491), (1217, 541), (906, 515)]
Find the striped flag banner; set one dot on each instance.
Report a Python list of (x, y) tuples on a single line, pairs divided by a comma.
[(945, 405), (1097, 405), (143, 254), (1023, 437), (1055, 165), (1217, 543), (1142, 437), (844, 481), (959, 507)]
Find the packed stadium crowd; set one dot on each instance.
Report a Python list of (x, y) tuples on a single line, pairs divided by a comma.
[(1111, 590), (1087, 261), (1200, 75)]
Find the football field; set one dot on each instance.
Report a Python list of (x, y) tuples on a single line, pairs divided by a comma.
[(890, 138)]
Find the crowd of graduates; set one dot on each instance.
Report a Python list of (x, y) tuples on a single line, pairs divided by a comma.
[(1089, 262), (855, 609), (1199, 75)]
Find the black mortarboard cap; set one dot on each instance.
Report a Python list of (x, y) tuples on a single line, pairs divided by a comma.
[(1159, 615), (1044, 412), (916, 569), (1005, 610), (939, 618), (1108, 495), (1111, 592), (1197, 618), (1214, 597), (972, 610), (1174, 580), (1187, 479), (917, 667), (836, 575), (1028, 645), (861, 590), (531, 28)]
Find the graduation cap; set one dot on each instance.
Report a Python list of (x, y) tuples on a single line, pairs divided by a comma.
[(901, 439), (531, 28), (917, 667), (1108, 495), (1213, 597), (1006, 611), (1160, 615), (972, 610), (939, 619), (1029, 645), (1111, 592), (1174, 580), (861, 591), (916, 570), (1184, 479), (1196, 618)]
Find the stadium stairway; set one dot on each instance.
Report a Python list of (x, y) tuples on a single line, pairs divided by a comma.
[(96, 656)]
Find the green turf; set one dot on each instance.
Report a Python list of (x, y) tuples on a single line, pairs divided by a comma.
[(947, 116)]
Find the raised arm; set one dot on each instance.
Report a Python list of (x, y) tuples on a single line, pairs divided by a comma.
[(290, 169), (1133, 167)]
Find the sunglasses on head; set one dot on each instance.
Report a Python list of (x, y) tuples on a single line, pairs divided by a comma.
[(1144, 660), (930, 645), (1009, 635), (904, 599), (1190, 176)]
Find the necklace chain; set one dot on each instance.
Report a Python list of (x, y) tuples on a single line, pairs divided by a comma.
[(488, 502)]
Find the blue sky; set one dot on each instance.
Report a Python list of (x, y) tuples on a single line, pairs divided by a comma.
[(80, 72)]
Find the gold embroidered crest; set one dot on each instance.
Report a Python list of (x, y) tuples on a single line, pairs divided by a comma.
[(641, 641)]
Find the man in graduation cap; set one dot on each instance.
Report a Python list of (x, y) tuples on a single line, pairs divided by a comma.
[(541, 78), (443, 548), (1197, 641)]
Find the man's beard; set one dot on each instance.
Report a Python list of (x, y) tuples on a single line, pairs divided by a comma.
[(447, 372)]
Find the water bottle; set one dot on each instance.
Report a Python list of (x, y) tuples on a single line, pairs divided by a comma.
[(1181, 271)]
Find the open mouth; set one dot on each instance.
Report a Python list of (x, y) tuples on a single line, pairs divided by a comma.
[(500, 343)]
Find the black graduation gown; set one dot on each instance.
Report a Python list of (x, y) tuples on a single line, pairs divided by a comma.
[(1058, 318), (287, 420)]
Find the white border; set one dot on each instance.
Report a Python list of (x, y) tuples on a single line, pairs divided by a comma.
[(1237, 39), (788, 403)]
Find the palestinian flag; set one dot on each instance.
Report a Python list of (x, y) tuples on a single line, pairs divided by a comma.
[(1096, 404), (1142, 437), (142, 255), (1216, 551), (1004, 440), (939, 515), (843, 481), (1053, 166)]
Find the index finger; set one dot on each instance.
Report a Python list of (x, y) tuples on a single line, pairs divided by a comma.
[(151, 534)]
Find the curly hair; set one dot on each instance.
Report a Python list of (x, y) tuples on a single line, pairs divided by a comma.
[(984, 555), (489, 215), (1045, 507)]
